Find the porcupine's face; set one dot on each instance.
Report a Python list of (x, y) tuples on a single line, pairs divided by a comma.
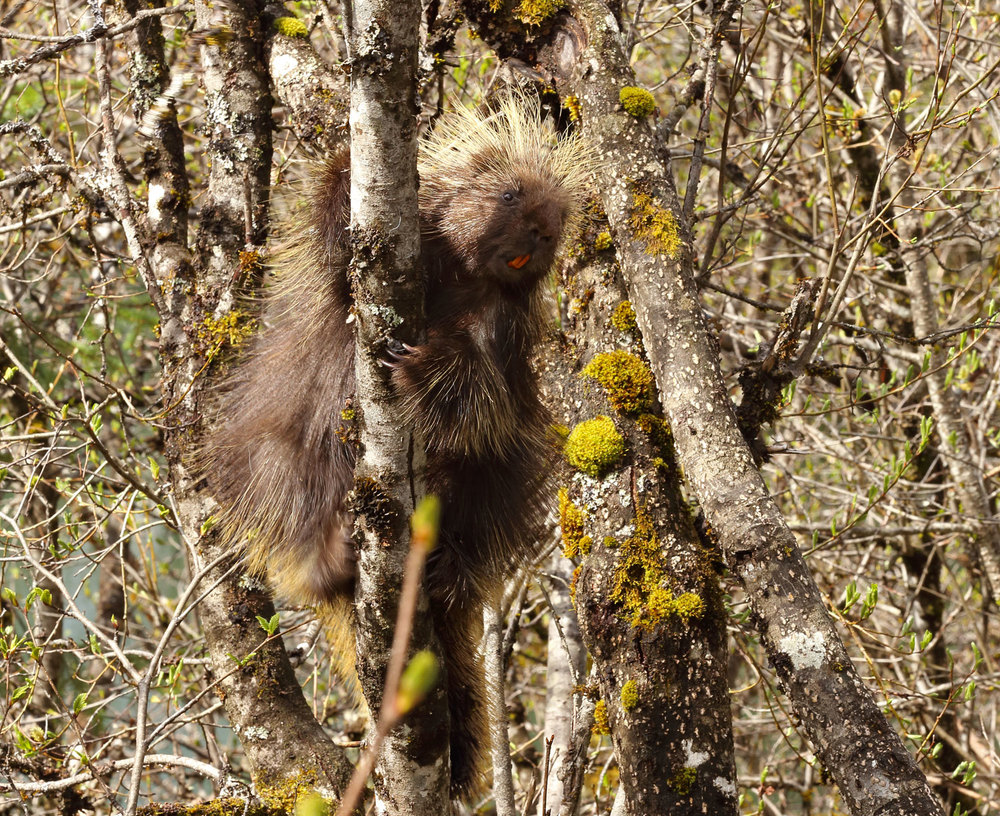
[(508, 228), (521, 235)]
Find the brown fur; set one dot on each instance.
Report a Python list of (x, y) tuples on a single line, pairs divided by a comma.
[(493, 189)]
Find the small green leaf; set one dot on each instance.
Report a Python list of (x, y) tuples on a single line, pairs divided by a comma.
[(269, 626)]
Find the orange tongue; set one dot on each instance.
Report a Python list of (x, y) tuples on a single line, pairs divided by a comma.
[(519, 261)]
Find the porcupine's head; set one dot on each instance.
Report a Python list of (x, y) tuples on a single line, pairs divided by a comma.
[(502, 190)]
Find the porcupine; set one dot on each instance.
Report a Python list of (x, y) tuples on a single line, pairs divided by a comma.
[(498, 193)]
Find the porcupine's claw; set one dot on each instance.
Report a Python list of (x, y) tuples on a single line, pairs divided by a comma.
[(398, 351)]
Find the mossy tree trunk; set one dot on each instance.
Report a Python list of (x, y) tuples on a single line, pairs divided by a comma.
[(647, 590), (584, 52)]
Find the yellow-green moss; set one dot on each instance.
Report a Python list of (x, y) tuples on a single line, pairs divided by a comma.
[(571, 518), (229, 806), (232, 329), (637, 102), (594, 447), (291, 27), (601, 725), (688, 606), (572, 103), (623, 317), (625, 378), (658, 431), (536, 12), (284, 794), (682, 781), (630, 695), (654, 225), (603, 241), (641, 583)]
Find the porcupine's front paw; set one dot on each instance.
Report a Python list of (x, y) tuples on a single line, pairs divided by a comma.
[(398, 352)]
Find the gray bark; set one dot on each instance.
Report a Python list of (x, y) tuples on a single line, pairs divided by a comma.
[(411, 775), (566, 667)]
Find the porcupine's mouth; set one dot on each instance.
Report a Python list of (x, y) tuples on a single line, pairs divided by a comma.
[(519, 262)]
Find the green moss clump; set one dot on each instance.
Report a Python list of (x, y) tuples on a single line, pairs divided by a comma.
[(283, 794), (601, 724), (682, 781), (688, 606), (630, 695), (594, 447), (536, 12), (654, 225), (291, 27), (574, 541), (623, 317), (603, 241), (625, 378), (637, 102)]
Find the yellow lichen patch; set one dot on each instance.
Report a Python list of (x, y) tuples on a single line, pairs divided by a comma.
[(291, 27), (637, 102), (654, 225), (232, 329), (630, 695), (603, 241), (572, 103), (536, 12), (625, 378), (601, 725), (640, 583), (251, 264), (623, 317), (571, 522), (594, 447)]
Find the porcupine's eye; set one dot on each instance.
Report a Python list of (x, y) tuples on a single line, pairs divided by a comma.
[(509, 196)]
